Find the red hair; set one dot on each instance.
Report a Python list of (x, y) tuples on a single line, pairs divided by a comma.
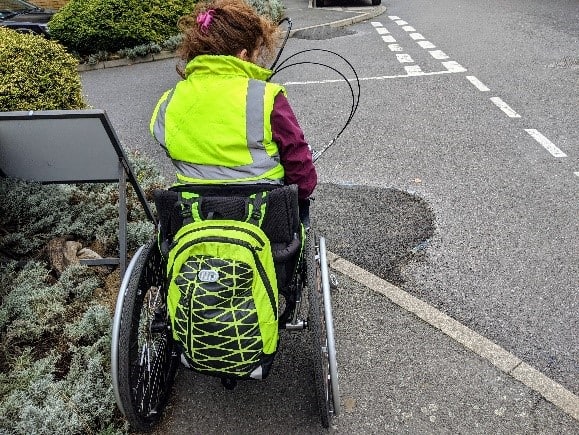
[(234, 25)]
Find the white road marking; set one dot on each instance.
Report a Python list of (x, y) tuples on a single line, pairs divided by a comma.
[(376, 23), (404, 58), (416, 36), (477, 83), (453, 66), (388, 38), (426, 44), (499, 357), (505, 107), (576, 173), (414, 70), (438, 54), (393, 17), (382, 30), (401, 22), (409, 29), (545, 143), (394, 47)]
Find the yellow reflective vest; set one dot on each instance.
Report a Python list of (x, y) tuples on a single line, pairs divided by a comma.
[(215, 125)]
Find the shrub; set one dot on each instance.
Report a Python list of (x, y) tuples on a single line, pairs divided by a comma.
[(37, 74), (274, 9), (55, 333), (89, 26)]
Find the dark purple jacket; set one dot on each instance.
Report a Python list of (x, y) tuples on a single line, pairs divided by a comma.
[(295, 153)]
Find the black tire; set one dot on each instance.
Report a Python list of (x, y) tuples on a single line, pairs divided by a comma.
[(317, 326), (376, 2), (147, 357), (320, 3)]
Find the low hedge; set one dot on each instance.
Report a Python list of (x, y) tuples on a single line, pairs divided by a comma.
[(37, 74), (89, 26)]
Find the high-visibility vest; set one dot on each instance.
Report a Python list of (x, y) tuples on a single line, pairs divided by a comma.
[(215, 125)]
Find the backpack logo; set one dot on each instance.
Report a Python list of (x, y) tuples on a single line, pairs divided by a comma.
[(208, 275)]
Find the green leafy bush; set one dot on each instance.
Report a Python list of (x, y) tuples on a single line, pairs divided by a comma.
[(89, 26), (37, 74)]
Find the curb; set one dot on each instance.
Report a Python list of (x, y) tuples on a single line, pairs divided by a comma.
[(497, 356), (115, 63)]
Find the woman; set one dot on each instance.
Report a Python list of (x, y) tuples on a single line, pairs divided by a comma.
[(224, 123)]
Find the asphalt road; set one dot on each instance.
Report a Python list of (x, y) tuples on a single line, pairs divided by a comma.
[(428, 158)]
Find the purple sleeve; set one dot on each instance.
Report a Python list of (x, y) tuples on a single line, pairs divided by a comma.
[(294, 151)]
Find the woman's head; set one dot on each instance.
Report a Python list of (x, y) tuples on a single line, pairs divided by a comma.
[(227, 27)]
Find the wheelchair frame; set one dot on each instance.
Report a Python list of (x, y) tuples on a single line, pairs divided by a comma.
[(145, 360)]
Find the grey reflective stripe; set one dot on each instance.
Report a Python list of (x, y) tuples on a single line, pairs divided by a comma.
[(159, 125), (262, 161), (254, 119), (207, 172)]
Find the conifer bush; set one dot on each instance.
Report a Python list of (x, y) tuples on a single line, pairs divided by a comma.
[(37, 74)]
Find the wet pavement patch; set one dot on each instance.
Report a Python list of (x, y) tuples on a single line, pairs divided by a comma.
[(322, 33), (378, 229)]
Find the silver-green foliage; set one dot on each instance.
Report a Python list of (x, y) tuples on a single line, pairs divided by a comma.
[(274, 9), (55, 332), (31, 214)]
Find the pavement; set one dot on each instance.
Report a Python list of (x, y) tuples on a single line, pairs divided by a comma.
[(404, 366)]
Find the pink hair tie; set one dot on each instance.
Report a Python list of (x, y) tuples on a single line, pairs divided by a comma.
[(204, 19)]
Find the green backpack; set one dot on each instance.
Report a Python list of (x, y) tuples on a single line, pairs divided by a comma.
[(223, 295)]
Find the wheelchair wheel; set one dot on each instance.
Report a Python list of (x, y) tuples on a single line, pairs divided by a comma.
[(144, 359), (320, 322)]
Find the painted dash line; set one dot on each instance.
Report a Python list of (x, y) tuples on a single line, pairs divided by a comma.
[(426, 44), (545, 143), (404, 58), (505, 107), (438, 54), (477, 83), (454, 66)]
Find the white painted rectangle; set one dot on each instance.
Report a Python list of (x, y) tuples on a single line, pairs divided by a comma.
[(393, 17), (404, 58), (382, 30), (438, 54), (546, 143), (388, 38), (413, 70), (505, 107), (376, 23), (453, 67), (394, 47), (416, 36), (426, 44), (477, 83), (409, 29), (401, 22)]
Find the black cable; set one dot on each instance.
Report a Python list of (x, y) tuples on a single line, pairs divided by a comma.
[(355, 96), (289, 28)]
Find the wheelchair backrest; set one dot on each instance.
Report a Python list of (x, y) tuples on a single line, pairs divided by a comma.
[(281, 222)]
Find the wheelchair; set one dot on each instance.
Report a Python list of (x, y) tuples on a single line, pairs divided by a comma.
[(144, 356)]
